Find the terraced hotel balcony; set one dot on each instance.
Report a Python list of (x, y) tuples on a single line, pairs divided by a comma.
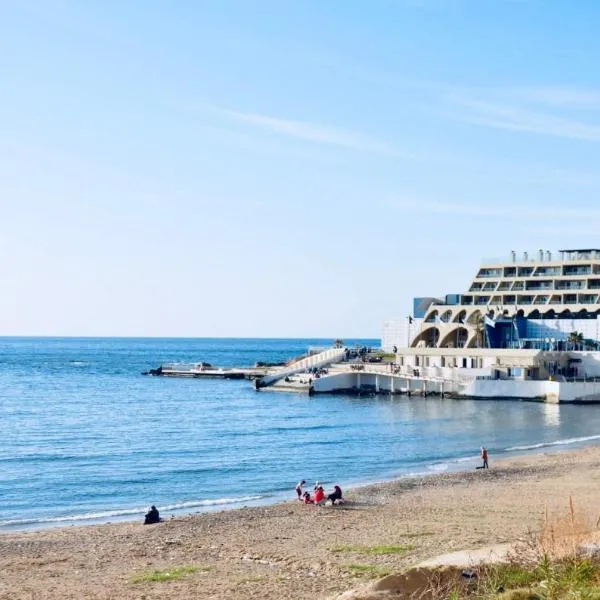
[(577, 269), (547, 272), (539, 285), (487, 273), (570, 285)]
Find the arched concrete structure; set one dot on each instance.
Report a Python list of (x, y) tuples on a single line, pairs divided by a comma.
[(457, 337), (460, 316), (429, 337), (446, 316), (431, 316)]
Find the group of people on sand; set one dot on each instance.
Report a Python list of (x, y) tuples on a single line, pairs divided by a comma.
[(318, 496)]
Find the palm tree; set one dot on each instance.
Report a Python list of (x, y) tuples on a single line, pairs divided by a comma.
[(576, 338), (480, 329)]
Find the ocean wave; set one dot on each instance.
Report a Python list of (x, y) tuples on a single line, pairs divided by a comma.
[(108, 514), (565, 442), (438, 467)]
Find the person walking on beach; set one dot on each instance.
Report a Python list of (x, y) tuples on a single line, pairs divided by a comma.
[(299, 489), (484, 458)]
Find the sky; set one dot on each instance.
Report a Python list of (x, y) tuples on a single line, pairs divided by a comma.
[(284, 169)]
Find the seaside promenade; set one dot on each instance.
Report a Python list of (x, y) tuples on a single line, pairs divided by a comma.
[(291, 550)]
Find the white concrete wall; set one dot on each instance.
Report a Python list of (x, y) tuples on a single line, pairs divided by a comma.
[(588, 391), (589, 365), (397, 332), (511, 388)]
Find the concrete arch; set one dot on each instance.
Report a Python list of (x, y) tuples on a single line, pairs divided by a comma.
[(431, 316), (460, 316), (457, 337), (476, 340), (446, 316), (429, 335), (475, 317)]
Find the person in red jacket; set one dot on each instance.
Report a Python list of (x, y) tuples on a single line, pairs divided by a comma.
[(319, 497)]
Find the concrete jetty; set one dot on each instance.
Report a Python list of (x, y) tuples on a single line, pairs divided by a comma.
[(198, 371)]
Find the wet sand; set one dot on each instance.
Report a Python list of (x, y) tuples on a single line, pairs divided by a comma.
[(292, 551)]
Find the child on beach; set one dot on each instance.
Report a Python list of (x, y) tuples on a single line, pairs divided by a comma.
[(299, 489)]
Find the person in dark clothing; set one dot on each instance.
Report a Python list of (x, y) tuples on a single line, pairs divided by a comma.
[(299, 489), (152, 516), (336, 494), (484, 458)]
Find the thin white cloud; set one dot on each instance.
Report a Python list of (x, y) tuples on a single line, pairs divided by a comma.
[(561, 97), (315, 133), (503, 211), (512, 118)]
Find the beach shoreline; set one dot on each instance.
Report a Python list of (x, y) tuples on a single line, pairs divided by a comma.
[(438, 467), (289, 550)]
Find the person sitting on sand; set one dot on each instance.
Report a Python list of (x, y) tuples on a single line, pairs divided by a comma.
[(484, 458), (319, 497), (336, 495), (306, 498), (152, 516), (299, 489)]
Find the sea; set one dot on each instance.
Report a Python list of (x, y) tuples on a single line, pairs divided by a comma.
[(86, 438)]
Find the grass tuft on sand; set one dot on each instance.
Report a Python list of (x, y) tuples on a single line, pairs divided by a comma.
[(171, 574), (549, 567), (370, 571)]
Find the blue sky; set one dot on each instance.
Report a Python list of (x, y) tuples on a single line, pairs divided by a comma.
[(228, 168)]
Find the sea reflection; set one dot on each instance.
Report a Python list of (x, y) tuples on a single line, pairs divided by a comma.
[(551, 414)]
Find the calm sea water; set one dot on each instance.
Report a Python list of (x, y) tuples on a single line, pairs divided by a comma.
[(84, 437)]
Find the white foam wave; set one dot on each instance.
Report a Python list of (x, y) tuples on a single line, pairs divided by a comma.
[(438, 467), (108, 514), (564, 442)]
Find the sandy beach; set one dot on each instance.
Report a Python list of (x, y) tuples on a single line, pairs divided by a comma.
[(294, 551)]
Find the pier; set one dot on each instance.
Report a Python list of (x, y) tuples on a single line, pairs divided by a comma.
[(198, 372), (484, 373)]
